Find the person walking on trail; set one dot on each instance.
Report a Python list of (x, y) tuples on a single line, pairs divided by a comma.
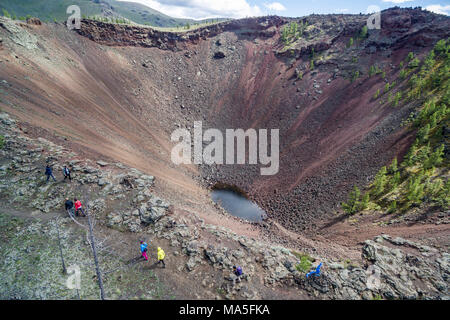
[(161, 256), (69, 206), (78, 207), (66, 173), (237, 271), (144, 246), (49, 173)]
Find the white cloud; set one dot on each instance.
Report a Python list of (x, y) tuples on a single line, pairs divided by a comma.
[(203, 9), (342, 10), (397, 1), (276, 6), (437, 8)]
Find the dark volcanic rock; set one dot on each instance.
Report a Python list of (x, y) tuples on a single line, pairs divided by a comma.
[(219, 55)]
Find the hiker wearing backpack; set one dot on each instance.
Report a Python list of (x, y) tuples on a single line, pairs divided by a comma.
[(144, 246), (49, 173), (66, 173), (161, 256), (78, 207), (237, 271), (69, 207)]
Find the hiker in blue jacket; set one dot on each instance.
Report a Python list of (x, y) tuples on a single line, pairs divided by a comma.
[(49, 173), (238, 273), (144, 250)]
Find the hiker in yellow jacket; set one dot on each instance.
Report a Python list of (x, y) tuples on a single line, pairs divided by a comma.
[(161, 256)]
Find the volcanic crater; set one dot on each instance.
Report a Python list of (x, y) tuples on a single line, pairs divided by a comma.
[(117, 92)]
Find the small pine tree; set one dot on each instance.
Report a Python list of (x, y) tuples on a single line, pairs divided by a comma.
[(380, 182), (435, 159), (415, 191), (394, 166), (364, 32), (386, 87), (350, 42), (6, 13), (414, 63), (410, 56), (365, 201), (353, 204), (395, 180), (397, 98), (392, 207), (377, 94), (423, 133), (402, 74)]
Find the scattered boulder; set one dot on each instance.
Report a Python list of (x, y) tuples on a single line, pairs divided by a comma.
[(35, 21), (219, 55)]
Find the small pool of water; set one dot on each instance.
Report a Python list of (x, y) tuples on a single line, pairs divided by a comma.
[(237, 205)]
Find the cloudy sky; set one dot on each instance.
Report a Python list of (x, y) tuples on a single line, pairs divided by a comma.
[(201, 9)]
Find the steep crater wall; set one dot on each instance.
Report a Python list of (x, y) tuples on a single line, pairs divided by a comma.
[(127, 96)]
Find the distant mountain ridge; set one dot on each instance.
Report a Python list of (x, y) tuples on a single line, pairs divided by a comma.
[(49, 10)]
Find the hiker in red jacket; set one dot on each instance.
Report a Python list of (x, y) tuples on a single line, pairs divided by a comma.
[(78, 207)]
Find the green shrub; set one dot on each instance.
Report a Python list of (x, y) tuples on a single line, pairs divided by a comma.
[(353, 204), (402, 74), (392, 207), (6, 13), (2, 141), (414, 63), (415, 190), (441, 48), (364, 32), (350, 42), (380, 182), (377, 94), (365, 201), (435, 159), (305, 262)]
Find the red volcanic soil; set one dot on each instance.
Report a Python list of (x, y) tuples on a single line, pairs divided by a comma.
[(116, 93)]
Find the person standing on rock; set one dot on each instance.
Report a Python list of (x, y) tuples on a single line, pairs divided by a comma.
[(78, 207), (237, 273), (66, 173), (69, 206), (161, 256), (144, 246), (49, 173)]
